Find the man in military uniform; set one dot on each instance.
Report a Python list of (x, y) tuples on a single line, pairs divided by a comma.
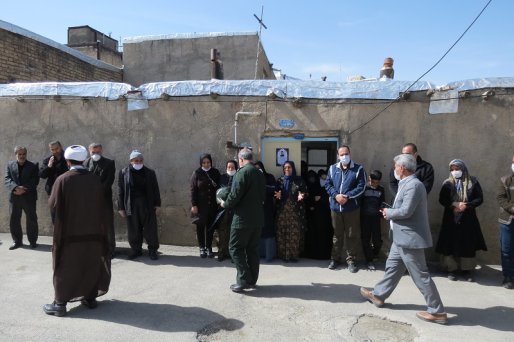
[(246, 198)]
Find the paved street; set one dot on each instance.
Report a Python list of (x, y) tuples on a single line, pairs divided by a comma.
[(181, 297)]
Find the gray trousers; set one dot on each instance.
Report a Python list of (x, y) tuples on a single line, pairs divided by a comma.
[(412, 259)]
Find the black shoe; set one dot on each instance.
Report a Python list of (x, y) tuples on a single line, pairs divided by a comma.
[(352, 267), (371, 266), (15, 245), (203, 253), (238, 287), (153, 254), (89, 303), (333, 265), (210, 253), (452, 276), (507, 283), (134, 254), (55, 309), (468, 276), (33, 245)]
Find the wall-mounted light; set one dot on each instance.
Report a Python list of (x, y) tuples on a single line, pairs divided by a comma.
[(464, 94), (298, 102), (405, 96), (488, 94)]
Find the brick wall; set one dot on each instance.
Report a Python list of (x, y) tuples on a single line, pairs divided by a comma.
[(23, 59)]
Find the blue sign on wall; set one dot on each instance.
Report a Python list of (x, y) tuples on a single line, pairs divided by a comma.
[(286, 123)]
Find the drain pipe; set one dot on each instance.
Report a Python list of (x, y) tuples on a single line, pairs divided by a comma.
[(236, 120)]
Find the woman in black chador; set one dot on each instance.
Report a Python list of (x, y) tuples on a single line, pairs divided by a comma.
[(268, 248)]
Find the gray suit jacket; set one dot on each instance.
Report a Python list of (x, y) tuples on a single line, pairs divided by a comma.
[(409, 216)]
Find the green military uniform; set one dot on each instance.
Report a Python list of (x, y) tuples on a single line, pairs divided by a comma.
[(246, 198)]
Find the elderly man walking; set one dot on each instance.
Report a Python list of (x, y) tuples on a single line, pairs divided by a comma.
[(82, 266), (410, 233), (21, 180), (247, 199), (505, 199)]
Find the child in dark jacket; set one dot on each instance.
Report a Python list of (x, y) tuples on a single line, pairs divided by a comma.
[(372, 202)]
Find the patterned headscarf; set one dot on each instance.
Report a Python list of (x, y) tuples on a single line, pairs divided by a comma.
[(461, 185)]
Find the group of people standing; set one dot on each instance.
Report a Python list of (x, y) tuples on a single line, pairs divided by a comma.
[(79, 186), (286, 216)]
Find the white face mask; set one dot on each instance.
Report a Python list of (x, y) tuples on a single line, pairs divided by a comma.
[(457, 174), (396, 175), (96, 157), (345, 159), (512, 167), (231, 173), (137, 166), (206, 168)]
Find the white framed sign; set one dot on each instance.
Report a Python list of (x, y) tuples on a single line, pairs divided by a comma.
[(282, 156)]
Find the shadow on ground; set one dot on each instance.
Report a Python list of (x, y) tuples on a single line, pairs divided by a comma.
[(333, 293), (496, 317), (158, 317)]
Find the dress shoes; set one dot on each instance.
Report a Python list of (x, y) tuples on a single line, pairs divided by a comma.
[(333, 265), (15, 245), (352, 267), (153, 254), (134, 254), (89, 303), (203, 253), (368, 294), (508, 283), (33, 245), (441, 318), (239, 288), (55, 309)]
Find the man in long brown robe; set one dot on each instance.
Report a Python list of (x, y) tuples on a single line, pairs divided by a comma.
[(82, 268)]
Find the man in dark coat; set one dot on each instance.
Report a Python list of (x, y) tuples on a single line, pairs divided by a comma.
[(424, 171), (82, 267), (138, 199), (21, 180), (52, 167), (246, 198), (105, 169)]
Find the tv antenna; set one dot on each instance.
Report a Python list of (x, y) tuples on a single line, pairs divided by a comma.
[(261, 25)]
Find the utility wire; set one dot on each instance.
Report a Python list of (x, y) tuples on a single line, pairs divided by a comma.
[(424, 74)]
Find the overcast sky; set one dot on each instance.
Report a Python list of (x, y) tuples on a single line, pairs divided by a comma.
[(310, 39)]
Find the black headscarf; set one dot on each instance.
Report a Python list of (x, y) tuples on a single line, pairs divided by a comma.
[(205, 155)]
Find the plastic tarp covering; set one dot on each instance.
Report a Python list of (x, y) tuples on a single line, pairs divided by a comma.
[(110, 90), (481, 83), (140, 39), (386, 89)]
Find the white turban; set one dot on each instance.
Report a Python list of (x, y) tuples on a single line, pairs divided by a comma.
[(76, 152)]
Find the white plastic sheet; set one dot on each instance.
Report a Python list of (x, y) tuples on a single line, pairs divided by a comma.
[(110, 90)]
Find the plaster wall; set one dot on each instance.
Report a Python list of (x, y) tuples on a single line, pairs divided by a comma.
[(173, 133), (190, 59)]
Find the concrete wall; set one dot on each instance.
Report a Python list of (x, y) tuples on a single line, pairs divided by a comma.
[(173, 133), (180, 59), (23, 59)]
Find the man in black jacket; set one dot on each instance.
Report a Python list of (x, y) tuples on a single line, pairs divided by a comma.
[(104, 168), (52, 167), (424, 171), (138, 199), (21, 180)]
